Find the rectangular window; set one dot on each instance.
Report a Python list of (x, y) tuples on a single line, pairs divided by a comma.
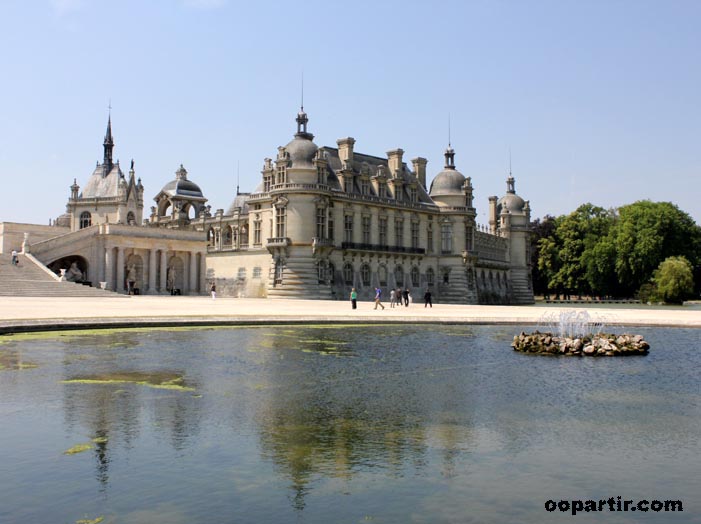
[(429, 239), (414, 194), (468, 238), (382, 190), (321, 175), (331, 231), (256, 272), (415, 234), (364, 186), (321, 223), (446, 238), (281, 175), (281, 221), (366, 230), (399, 232), (256, 233), (383, 231), (348, 228)]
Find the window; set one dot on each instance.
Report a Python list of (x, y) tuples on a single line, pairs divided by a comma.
[(331, 231), (321, 271), (429, 239), (321, 175), (332, 274), (85, 220), (211, 237), (279, 268), (447, 237), (415, 276), (281, 177), (320, 222), (366, 229), (364, 186), (413, 194), (383, 231), (382, 190), (242, 273), (365, 274), (256, 231), (131, 219), (228, 235), (399, 232), (414, 234), (348, 228), (244, 236), (382, 275), (468, 238), (266, 183), (430, 276), (280, 221), (348, 274), (399, 275), (256, 272)]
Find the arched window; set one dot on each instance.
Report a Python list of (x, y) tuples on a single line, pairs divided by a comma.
[(415, 276), (399, 275), (131, 219), (85, 219), (348, 274), (244, 236), (228, 236), (382, 274), (430, 276), (365, 274), (211, 237)]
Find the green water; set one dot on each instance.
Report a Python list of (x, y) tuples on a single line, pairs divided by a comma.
[(370, 424)]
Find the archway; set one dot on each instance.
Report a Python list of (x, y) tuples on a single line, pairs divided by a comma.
[(76, 268)]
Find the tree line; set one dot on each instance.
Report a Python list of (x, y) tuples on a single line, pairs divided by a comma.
[(648, 250)]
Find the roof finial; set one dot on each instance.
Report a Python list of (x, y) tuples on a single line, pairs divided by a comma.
[(509, 160), (448, 129), (238, 177), (302, 104)]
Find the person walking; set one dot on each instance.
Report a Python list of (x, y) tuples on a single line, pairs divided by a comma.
[(354, 298), (392, 297), (378, 294), (213, 290), (405, 294), (15, 257), (427, 298)]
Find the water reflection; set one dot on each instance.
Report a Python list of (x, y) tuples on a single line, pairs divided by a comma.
[(395, 424)]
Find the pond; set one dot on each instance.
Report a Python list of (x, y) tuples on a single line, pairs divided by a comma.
[(314, 424)]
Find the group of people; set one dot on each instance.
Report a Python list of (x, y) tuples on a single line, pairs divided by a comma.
[(396, 298)]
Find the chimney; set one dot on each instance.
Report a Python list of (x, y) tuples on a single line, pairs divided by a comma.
[(420, 169), (345, 150), (394, 158), (493, 215)]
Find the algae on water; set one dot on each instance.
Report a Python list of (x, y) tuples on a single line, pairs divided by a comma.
[(78, 448), (157, 380)]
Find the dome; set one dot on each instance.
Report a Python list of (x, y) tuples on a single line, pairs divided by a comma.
[(240, 203), (302, 152), (447, 182), (182, 187), (512, 202)]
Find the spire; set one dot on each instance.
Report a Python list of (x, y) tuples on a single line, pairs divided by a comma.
[(449, 153), (302, 118), (108, 144), (510, 182), (449, 158)]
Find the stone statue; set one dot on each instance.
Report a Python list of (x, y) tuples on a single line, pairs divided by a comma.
[(74, 274), (170, 281)]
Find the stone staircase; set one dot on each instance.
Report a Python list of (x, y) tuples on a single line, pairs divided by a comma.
[(31, 279), (457, 291), (300, 280)]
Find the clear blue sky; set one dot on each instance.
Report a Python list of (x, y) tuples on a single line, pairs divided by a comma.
[(599, 101)]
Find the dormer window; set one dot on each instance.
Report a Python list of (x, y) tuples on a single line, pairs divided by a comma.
[(281, 175), (413, 194), (364, 186)]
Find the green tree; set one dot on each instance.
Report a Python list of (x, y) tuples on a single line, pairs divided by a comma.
[(540, 229), (674, 280), (646, 233)]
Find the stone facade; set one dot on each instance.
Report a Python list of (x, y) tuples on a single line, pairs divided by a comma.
[(326, 219), (321, 221)]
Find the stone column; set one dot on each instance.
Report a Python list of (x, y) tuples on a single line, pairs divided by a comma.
[(152, 272), (203, 272), (120, 270), (164, 271), (193, 273), (109, 268)]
